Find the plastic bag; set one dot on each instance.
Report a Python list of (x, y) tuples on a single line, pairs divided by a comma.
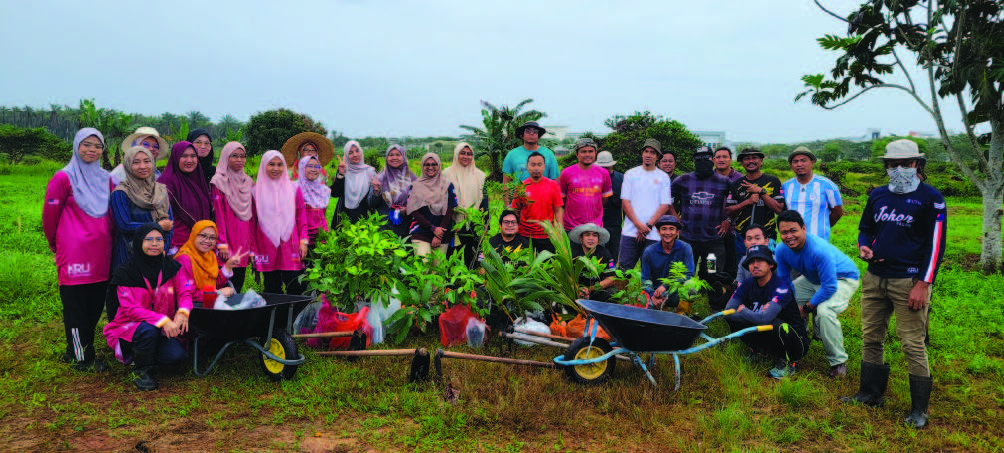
[(476, 329), (306, 322), (576, 328), (329, 319), (379, 315), (558, 327), (453, 325), (250, 299), (530, 325)]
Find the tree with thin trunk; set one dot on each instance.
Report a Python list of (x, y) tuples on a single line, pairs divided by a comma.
[(959, 45), (498, 134)]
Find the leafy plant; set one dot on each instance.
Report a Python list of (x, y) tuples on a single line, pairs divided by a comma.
[(356, 260), (630, 293), (678, 281), (499, 275), (498, 134), (554, 277)]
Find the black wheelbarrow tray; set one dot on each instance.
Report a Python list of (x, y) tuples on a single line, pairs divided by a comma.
[(635, 331), (269, 324)]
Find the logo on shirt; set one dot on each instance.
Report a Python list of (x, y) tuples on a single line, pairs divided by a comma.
[(912, 201), (52, 201), (79, 269), (891, 216), (913, 270), (782, 291), (702, 198), (939, 206)]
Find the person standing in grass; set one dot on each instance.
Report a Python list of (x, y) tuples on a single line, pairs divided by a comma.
[(765, 298), (79, 231), (827, 280), (542, 203), (232, 195), (700, 196), (395, 187), (469, 183), (203, 143), (356, 186), (667, 163), (733, 239), (584, 186), (188, 192), (155, 300), (815, 197), (316, 195), (431, 205), (516, 160), (279, 241), (613, 212), (137, 200), (756, 198), (308, 144), (902, 236), (645, 197)]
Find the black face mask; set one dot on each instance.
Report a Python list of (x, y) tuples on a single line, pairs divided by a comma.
[(704, 168)]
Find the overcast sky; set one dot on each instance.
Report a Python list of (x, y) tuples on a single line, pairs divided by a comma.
[(420, 68)]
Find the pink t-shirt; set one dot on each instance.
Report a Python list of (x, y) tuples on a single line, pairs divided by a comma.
[(285, 257), (584, 191), (234, 233), (81, 243)]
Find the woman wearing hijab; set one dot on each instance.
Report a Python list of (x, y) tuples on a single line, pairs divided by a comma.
[(198, 257), (79, 231), (148, 138), (316, 195), (469, 183), (308, 144), (203, 143), (355, 185), (232, 195), (279, 227), (395, 187), (138, 199), (431, 205), (155, 300), (188, 192)]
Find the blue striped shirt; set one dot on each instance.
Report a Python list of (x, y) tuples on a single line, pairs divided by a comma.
[(814, 201)]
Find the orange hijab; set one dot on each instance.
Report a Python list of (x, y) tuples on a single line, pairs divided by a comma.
[(205, 268)]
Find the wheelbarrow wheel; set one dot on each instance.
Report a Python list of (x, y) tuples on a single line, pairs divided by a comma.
[(591, 373), (281, 345)]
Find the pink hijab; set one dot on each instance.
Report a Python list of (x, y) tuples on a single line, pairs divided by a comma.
[(235, 185), (275, 201)]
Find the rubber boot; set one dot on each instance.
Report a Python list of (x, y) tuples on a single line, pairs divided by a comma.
[(874, 379), (145, 362), (920, 396)]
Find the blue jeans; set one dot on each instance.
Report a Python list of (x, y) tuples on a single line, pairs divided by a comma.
[(631, 250)]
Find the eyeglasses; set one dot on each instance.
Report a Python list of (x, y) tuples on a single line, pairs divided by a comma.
[(202, 143), (314, 166), (430, 165), (531, 130), (206, 237), (154, 239), (510, 222), (149, 146), (238, 156)]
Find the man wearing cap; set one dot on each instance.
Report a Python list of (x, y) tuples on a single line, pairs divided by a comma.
[(827, 280), (645, 198), (658, 259), (515, 161), (588, 240), (542, 203), (667, 163), (148, 138), (700, 196), (613, 214), (584, 186), (814, 196), (756, 198), (902, 237), (766, 299)]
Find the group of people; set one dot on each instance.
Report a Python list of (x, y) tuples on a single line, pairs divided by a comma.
[(147, 245)]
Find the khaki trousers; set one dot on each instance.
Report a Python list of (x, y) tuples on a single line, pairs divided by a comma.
[(880, 299), (825, 323)]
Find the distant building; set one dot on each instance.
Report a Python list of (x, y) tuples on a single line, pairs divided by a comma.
[(555, 132), (712, 139)]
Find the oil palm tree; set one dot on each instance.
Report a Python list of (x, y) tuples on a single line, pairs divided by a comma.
[(498, 132)]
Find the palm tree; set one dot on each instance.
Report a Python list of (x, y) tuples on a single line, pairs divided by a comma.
[(498, 135), (197, 120)]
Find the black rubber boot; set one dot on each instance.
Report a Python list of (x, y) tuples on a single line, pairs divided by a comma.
[(874, 379), (145, 362), (920, 396)]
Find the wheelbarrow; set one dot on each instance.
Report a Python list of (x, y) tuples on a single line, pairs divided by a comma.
[(265, 329), (635, 331)]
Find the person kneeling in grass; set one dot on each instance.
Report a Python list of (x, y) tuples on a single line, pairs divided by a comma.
[(155, 300), (766, 299), (589, 240)]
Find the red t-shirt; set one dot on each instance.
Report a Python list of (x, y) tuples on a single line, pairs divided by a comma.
[(541, 199)]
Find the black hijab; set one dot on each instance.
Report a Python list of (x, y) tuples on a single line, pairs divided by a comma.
[(131, 274), (207, 163)]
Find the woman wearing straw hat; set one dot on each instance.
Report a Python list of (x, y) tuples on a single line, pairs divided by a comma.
[(588, 239), (148, 138), (308, 144)]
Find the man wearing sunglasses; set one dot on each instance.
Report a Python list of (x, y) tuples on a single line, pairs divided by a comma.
[(515, 161)]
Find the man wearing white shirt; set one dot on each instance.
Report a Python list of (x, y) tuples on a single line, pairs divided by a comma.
[(644, 198)]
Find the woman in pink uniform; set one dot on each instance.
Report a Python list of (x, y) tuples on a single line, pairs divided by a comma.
[(188, 192), (232, 191), (315, 194), (198, 258), (279, 227), (79, 230), (155, 299)]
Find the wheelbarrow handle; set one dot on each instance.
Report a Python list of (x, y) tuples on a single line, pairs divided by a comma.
[(764, 328), (728, 312)]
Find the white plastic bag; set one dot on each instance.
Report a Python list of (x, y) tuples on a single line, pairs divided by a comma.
[(530, 325), (476, 333), (250, 299), (378, 315)]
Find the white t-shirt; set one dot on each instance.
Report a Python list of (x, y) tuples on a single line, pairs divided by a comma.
[(646, 190)]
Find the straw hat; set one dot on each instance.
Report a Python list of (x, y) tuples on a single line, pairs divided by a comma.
[(143, 132), (576, 233), (325, 150)]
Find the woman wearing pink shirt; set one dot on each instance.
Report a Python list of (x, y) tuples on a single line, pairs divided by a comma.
[(79, 230), (155, 299), (279, 227), (188, 192), (315, 194), (232, 191)]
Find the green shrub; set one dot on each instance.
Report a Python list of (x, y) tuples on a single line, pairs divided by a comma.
[(31, 160)]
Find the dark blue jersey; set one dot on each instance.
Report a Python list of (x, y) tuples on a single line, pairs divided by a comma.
[(773, 303), (906, 232)]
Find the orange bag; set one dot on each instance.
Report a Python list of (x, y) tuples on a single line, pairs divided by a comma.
[(558, 327), (329, 319), (576, 328)]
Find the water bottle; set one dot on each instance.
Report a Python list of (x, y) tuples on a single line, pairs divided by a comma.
[(208, 296), (712, 263)]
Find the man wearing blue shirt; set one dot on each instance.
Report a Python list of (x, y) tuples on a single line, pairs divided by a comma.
[(658, 258), (515, 161), (814, 196), (828, 280)]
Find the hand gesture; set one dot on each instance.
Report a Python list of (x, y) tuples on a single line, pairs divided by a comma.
[(235, 259), (375, 184), (166, 224), (341, 166)]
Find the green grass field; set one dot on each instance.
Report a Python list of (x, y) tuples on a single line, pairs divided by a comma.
[(725, 404)]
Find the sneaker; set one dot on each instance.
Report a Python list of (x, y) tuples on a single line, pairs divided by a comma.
[(782, 371), (838, 371)]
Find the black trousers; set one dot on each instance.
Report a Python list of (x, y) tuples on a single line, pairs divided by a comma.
[(614, 244), (240, 274), (82, 306), (468, 244), (542, 244), (783, 342), (274, 281)]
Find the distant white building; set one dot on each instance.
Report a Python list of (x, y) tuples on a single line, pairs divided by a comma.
[(555, 132), (711, 139)]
